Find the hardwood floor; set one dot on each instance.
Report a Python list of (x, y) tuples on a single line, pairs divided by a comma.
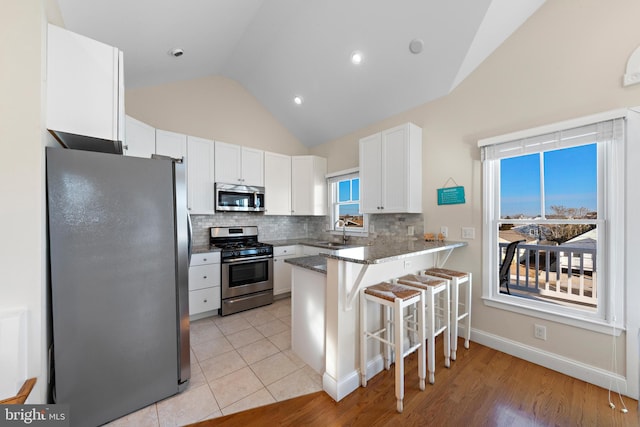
[(484, 387)]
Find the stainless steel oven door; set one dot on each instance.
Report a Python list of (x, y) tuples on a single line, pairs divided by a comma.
[(246, 276)]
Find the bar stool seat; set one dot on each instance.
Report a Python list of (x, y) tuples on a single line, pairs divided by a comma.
[(396, 297), (438, 318), (460, 306)]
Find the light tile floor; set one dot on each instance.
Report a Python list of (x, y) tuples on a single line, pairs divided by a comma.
[(238, 362)]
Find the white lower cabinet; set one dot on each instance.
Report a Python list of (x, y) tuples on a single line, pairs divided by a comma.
[(204, 283), (282, 270)]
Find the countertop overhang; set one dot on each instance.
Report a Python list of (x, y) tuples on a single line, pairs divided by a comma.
[(379, 253), (374, 254)]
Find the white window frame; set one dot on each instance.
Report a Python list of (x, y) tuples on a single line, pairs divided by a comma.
[(332, 181), (609, 317)]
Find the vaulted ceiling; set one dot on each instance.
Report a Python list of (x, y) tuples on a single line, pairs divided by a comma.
[(279, 49)]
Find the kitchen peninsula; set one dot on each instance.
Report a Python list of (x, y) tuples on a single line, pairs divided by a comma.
[(345, 272)]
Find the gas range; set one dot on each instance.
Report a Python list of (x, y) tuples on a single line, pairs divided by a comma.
[(247, 268), (239, 243)]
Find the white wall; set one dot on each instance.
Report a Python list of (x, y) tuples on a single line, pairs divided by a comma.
[(566, 61), (212, 107), (22, 216)]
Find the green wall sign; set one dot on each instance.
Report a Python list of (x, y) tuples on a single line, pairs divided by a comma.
[(451, 195)]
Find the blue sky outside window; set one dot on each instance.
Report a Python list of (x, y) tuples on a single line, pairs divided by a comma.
[(570, 180), (520, 186), (344, 191)]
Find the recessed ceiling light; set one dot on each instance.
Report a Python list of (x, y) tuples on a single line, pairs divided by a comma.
[(356, 57), (298, 100), (177, 52)]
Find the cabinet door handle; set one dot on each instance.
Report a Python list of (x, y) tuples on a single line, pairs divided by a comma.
[(205, 300), (204, 259), (204, 277)]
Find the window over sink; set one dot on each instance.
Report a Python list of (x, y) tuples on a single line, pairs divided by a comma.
[(344, 200)]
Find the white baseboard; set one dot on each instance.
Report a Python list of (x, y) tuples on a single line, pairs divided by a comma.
[(350, 382), (570, 367)]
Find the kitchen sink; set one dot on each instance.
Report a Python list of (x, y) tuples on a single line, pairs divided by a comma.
[(332, 244), (336, 244)]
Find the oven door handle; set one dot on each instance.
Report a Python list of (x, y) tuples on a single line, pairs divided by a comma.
[(246, 260)]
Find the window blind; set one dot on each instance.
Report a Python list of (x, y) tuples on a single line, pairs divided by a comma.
[(608, 130)]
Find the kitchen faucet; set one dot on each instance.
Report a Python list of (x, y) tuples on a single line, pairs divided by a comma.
[(344, 228)]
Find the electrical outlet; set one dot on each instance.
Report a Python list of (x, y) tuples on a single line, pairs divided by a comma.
[(540, 332), (468, 233), (444, 230), (410, 230), (372, 228), (407, 265)]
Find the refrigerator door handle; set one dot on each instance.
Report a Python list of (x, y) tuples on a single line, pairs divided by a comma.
[(189, 237)]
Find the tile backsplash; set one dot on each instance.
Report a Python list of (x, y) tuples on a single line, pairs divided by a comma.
[(390, 227)]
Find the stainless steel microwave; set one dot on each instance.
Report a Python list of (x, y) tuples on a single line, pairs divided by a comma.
[(239, 198)]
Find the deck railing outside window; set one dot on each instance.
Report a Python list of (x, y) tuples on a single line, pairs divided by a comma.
[(561, 274)]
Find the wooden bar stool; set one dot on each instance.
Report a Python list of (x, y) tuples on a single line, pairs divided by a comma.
[(460, 307), (396, 297), (438, 318)]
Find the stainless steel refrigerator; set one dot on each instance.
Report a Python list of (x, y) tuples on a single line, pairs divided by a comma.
[(118, 251)]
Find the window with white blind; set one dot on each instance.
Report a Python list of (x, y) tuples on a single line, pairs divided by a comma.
[(559, 191)]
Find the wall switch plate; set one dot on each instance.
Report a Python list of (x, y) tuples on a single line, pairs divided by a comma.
[(468, 233), (540, 332), (444, 230), (372, 228), (407, 265), (410, 230)]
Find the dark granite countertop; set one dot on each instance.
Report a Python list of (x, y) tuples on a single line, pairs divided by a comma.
[(203, 249), (392, 251), (314, 262), (310, 242), (375, 254)]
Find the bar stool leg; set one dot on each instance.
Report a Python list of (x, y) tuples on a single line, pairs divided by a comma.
[(431, 331), (387, 335), (447, 319), (455, 290), (399, 344), (363, 340), (468, 319), (422, 354)]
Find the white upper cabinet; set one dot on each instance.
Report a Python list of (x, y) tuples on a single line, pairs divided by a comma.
[(235, 164), (85, 86), (252, 166), (391, 171), (308, 185), (171, 144), (139, 138), (277, 183), (200, 176)]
